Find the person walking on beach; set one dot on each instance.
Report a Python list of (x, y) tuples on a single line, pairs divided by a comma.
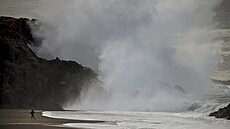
[(32, 114)]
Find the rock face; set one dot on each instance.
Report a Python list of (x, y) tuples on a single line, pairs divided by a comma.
[(27, 81), (222, 113)]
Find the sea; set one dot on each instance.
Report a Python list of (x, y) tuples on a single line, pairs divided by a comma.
[(195, 118), (140, 120)]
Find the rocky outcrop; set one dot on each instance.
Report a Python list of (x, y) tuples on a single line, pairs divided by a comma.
[(222, 113), (27, 81)]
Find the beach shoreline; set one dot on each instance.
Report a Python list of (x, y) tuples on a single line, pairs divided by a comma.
[(20, 119)]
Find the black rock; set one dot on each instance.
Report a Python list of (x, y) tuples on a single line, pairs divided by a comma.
[(222, 113), (27, 81)]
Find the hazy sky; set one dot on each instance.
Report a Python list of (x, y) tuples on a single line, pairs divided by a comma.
[(20, 8)]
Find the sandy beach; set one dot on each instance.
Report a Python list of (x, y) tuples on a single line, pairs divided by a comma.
[(20, 119)]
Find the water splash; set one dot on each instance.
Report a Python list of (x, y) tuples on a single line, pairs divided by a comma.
[(141, 48)]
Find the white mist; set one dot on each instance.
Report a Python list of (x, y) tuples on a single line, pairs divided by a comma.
[(142, 48)]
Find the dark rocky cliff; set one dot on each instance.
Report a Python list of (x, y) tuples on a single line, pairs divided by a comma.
[(27, 81)]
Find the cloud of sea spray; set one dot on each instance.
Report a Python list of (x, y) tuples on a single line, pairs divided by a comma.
[(141, 48)]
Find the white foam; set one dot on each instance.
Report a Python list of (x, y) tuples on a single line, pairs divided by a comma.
[(141, 120)]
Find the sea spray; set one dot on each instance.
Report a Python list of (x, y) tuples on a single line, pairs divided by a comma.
[(142, 49)]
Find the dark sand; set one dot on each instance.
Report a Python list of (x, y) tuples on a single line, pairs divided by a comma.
[(20, 119)]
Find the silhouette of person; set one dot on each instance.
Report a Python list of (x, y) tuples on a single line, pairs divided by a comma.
[(32, 114)]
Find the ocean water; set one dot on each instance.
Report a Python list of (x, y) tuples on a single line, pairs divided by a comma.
[(140, 120), (196, 119)]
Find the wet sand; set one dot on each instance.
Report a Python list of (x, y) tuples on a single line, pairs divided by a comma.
[(20, 119)]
